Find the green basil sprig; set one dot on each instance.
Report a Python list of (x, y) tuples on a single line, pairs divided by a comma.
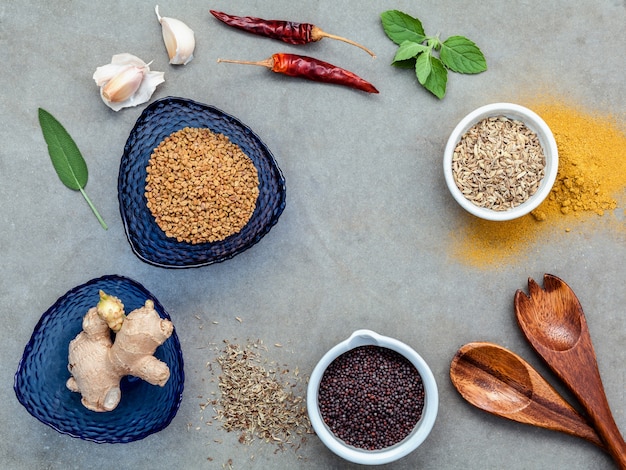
[(66, 157), (417, 50)]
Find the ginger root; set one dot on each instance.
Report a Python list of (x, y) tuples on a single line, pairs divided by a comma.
[(111, 309), (97, 364)]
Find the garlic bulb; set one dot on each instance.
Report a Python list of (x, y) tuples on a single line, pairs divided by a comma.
[(179, 39), (126, 81)]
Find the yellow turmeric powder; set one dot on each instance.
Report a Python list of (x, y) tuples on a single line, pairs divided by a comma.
[(591, 180)]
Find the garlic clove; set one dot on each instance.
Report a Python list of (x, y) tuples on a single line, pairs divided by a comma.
[(150, 81), (123, 85), (126, 81), (118, 63), (179, 39)]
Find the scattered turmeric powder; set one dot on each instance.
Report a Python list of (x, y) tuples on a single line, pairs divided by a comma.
[(590, 181), (592, 161)]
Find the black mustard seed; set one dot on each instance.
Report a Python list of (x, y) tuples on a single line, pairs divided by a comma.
[(371, 397)]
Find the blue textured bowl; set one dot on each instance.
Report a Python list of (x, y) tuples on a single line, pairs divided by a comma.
[(147, 240), (42, 372)]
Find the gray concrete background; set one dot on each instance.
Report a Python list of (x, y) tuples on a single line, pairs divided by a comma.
[(364, 241)]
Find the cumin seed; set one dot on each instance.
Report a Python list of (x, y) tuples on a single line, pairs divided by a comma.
[(498, 163)]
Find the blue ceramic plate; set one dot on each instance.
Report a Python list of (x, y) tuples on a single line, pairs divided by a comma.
[(147, 240), (42, 372)]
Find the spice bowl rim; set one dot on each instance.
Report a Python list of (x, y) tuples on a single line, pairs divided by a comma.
[(536, 124), (364, 337)]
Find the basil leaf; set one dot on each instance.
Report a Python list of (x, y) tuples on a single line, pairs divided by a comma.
[(423, 67), (461, 55), (437, 79), (404, 64), (408, 49), (401, 27), (66, 158), (427, 55)]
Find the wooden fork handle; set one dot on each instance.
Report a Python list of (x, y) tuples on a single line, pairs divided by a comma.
[(578, 370)]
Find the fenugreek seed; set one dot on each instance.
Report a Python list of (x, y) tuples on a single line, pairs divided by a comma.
[(190, 175)]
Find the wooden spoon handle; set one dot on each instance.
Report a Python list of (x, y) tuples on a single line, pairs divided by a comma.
[(556, 407), (500, 382)]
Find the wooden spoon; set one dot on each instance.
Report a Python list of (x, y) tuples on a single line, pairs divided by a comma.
[(553, 321), (500, 382)]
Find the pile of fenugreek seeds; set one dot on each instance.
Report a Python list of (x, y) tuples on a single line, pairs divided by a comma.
[(498, 163), (201, 187)]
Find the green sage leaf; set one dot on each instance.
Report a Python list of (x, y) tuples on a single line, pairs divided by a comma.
[(409, 49), (437, 79), (401, 27), (66, 158), (461, 55)]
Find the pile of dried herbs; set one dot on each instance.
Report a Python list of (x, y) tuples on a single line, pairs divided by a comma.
[(258, 398)]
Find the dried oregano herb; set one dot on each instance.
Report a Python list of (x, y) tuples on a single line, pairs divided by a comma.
[(258, 398)]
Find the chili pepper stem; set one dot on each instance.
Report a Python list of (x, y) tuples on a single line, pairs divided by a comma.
[(269, 62), (317, 34)]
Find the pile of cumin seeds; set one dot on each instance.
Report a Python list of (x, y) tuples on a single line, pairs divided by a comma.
[(258, 399), (499, 163)]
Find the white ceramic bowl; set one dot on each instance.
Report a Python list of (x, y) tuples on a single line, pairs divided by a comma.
[(535, 124), (388, 454)]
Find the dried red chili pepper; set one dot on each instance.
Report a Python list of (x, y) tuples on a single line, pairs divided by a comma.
[(311, 69), (286, 31)]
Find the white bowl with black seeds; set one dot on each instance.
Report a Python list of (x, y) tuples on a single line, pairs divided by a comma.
[(500, 161), (372, 399)]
